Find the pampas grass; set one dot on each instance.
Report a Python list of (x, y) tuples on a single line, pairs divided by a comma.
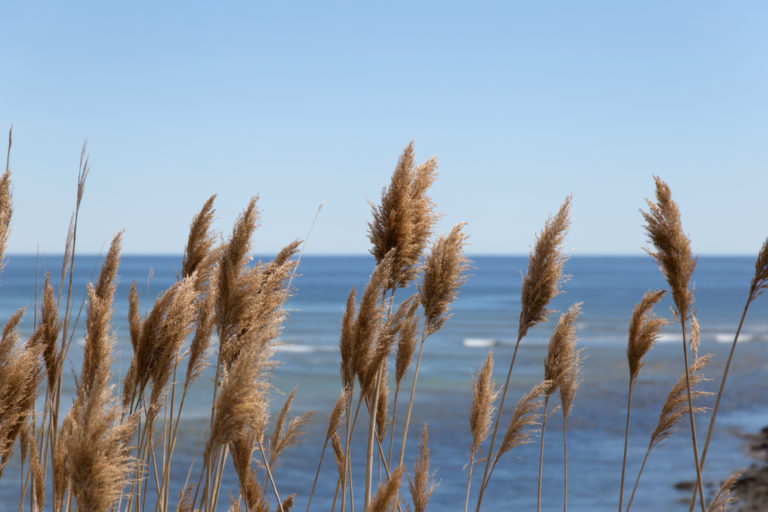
[(540, 285), (644, 331), (561, 370), (484, 395), (676, 405), (674, 258), (115, 452)]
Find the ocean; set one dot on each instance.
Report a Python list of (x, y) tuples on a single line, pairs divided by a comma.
[(483, 317)]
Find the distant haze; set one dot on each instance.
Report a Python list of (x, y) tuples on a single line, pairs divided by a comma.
[(304, 102)]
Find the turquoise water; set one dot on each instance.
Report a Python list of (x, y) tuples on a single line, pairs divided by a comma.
[(484, 316)]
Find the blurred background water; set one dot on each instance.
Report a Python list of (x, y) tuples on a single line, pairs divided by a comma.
[(484, 316)]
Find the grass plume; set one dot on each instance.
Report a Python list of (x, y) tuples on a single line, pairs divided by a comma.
[(403, 221), (540, 285)]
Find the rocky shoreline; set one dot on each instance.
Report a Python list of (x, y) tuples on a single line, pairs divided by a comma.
[(752, 486)]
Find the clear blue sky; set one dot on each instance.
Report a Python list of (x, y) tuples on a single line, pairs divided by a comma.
[(522, 102)]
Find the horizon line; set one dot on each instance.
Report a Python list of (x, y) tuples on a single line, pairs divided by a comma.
[(360, 254)]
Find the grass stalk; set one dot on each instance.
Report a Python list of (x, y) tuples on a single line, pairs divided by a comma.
[(541, 454), (637, 480), (719, 397), (690, 417), (486, 471), (565, 463), (626, 441)]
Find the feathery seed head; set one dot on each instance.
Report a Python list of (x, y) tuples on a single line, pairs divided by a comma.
[(525, 416), (403, 221), (337, 415), (200, 240), (484, 395), (369, 319), (562, 348), (444, 273), (644, 329), (382, 502), (676, 405), (406, 340), (760, 279), (545, 271), (672, 247), (725, 496), (347, 342), (6, 209), (423, 484)]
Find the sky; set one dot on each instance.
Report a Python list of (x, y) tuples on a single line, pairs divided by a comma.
[(306, 103)]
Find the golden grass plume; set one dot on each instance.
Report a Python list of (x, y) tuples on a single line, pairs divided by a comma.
[(672, 247), (644, 330), (484, 395), (423, 483), (676, 403), (403, 221), (444, 273), (545, 270)]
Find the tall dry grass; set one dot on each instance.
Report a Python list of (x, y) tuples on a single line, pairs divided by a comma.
[(115, 451)]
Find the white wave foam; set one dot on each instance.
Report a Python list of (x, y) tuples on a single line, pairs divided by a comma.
[(479, 342), (724, 337), (667, 337)]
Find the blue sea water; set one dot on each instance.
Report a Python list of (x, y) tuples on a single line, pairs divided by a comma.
[(484, 317)]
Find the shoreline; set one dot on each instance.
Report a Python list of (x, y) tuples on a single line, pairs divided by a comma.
[(752, 485), (751, 488)]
